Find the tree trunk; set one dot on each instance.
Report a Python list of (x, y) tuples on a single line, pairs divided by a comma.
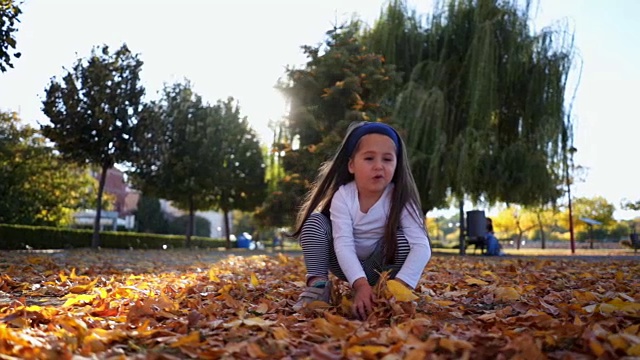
[(462, 240), (543, 238), (227, 231), (519, 234), (95, 239), (190, 223)]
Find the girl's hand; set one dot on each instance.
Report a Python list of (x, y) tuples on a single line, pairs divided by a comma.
[(364, 299)]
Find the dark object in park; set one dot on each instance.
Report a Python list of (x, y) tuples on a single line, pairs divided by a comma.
[(635, 241), (476, 230)]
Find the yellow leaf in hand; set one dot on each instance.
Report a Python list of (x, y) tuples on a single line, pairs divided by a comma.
[(400, 292)]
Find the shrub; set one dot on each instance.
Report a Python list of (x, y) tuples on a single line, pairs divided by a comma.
[(14, 237)]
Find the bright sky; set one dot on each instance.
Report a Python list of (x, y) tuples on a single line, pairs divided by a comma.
[(240, 48)]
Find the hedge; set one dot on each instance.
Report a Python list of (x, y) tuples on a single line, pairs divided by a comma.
[(20, 237)]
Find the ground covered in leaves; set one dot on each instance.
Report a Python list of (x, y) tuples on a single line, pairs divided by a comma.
[(205, 305)]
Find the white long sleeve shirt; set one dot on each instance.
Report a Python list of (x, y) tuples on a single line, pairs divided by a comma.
[(356, 234)]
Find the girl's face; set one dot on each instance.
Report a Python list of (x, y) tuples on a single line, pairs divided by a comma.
[(373, 163)]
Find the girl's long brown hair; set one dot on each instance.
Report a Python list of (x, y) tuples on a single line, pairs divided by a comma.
[(335, 173)]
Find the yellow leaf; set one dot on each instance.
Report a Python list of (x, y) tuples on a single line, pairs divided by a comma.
[(506, 293), (256, 321), (619, 276), (634, 350), (617, 341), (87, 299), (584, 296), (367, 350), (327, 328), (254, 280), (401, 292), (633, 329), (488, 317), (283, 259), (453, 344), (577, 321), (62, 276), (212, 275), (596, 347), (79, 289), (490, 273), (255, 351), (192, 339), (346, 304), (317, 304), (444, 302), (416, 354), (474, 281), (281, 333)]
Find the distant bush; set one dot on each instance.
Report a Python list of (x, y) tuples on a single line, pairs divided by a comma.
[(14, 237)]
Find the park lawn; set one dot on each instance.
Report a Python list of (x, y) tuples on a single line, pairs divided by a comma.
[(209, 305)]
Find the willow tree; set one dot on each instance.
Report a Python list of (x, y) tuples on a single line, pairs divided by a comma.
[(484, 108)]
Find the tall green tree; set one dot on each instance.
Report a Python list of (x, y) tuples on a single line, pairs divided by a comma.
[(341, 82), (240, 179), (197, 155), (92, 111), (149, 216), (9, 19), (36, 186), (174, 156)]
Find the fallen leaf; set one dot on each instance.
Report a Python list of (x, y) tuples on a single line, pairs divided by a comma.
[(400, 292)]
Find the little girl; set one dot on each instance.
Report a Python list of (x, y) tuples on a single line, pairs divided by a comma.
[(363, 217)]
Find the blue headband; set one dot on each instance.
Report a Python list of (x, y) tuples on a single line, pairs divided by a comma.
[(371, 128)]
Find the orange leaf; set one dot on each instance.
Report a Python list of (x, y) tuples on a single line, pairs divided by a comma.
[(596, 347), (366, 351), (507, 293), (192, 339), (474, 281)]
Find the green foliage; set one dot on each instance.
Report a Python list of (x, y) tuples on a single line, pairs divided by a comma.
[(36, 186), (342, 82), (630, 205), (9, 19), (18, 237), (240, 179), (596, 208), (92, 111), (149, 216), (178, 226), (399, 35), (483, 110), (199, 156)]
